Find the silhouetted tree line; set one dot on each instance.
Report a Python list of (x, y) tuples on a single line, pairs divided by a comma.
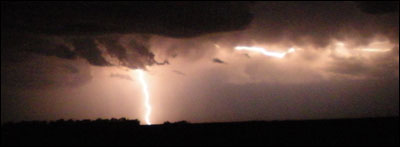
[(123, 122), (366, 131), (183, 122), (73, 123)]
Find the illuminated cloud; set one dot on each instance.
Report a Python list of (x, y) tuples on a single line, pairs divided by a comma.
[(121, 76)]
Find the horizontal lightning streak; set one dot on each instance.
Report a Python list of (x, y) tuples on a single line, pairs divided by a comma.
[(375, 50), (264, 51)]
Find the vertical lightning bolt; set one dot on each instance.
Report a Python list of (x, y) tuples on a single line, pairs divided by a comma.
[(146, 96)]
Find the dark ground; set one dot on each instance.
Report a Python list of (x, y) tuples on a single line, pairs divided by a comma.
[(373, 131)]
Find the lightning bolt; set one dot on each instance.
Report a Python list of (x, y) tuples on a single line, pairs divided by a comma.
[(146, 96), (375, 50), (264, 51)]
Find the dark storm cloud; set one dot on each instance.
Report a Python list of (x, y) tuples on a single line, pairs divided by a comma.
[(133, 50), (14, 45), (71, 68), (301, 24), (378, 7), (114, 48), (87, 49), (216, 60), (39, 72), (178, 19), (84, 24), (49, 47)]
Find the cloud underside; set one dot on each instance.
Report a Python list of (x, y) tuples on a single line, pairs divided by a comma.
[(78, 29), (105, 34), (82, 30)]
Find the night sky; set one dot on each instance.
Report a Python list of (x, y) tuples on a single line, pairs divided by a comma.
[(80, 60)]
